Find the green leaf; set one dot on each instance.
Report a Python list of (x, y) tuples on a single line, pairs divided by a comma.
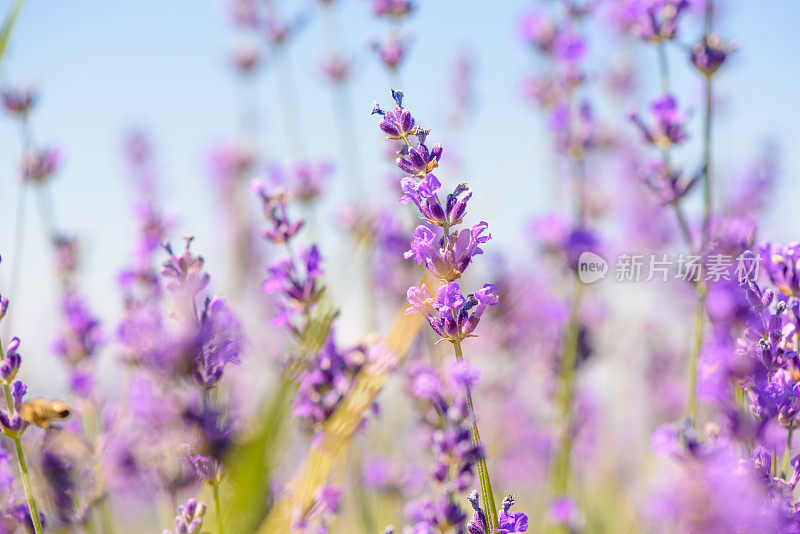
[(246, 488), (8, 25)]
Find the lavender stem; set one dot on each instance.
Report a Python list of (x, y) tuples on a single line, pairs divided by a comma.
[(483, 473), (566, 393), (217, 507), (23, 465)]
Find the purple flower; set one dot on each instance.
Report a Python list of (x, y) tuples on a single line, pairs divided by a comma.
[(569, 47), (456, 317), (652, 20), (419, 161), (448, 297), (285, 276), (18, 390), (3, 306), (782, 266), (213, 429), (511, 522), (306, 179), (670, 185), (538, 30), (563, 510), (81, 335), (336, 68), (391, 8), (392, 51), (38, 166), (710, 53), (10, 364), (22, 514), (185, 273), (190, 518), (669, 123), (397, 124), (282, 229), (326, 381), (323, 508), (447, 258), (18, 100), (476, 525), (220, 337), (207, 469)]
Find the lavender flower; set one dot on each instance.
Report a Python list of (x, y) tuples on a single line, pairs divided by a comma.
[(297, 282), (538, 30), (392, 51), (652, 20), (18, 100), (190, 518), (184, 273), (391, 8), (669, 123), (12, 425), (306, 179), (511, 522), (710, 53), (450, 314), (11, 362), (336, 68), (669, 184), (276, 213), (323, 385), (447, 257), (39, 166), (220, 338), (781, 264), (81, 335)]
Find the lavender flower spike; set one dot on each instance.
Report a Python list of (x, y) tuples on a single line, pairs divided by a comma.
[(511, 522), (190, 518)]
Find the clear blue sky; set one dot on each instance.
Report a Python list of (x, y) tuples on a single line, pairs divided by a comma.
[(103, 66)]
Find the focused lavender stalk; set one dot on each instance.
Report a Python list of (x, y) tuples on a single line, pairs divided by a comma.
[(446, 254)]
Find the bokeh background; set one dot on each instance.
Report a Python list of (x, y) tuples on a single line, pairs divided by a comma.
[(106, 67)]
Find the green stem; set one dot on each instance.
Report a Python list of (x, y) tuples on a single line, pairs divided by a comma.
[(217, 507), (707, 160), (694, 355), (105, 517), (684, 226), (663, 66), (487, 496), (787, 454), (23, 465), (566, 393)]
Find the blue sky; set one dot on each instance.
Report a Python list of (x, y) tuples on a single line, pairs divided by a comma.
[(104, 66)]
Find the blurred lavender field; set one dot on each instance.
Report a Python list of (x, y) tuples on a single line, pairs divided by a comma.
[(399, 266)]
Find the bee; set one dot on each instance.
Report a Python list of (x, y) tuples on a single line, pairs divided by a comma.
[(40, 412)]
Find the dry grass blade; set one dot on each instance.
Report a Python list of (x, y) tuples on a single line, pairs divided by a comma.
[(313, 473)]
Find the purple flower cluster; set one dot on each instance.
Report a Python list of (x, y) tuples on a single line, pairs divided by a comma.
[(446, 254), (451, 315), (329, 376), (447, 424), (190, 518), (306, 179), (668, 128), (652, 20)]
